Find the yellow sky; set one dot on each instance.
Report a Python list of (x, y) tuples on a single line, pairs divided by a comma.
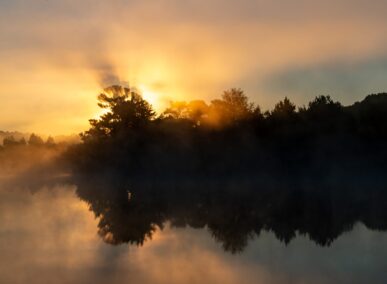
[(57, 55)]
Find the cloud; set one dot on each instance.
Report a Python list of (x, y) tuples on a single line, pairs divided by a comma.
[(191, 48), (345, 81)]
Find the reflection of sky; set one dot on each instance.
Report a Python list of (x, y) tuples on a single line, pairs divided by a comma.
[(50, 237), (55, 54)]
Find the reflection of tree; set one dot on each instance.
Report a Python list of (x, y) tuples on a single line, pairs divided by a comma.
[(232, 216), (126, 223)]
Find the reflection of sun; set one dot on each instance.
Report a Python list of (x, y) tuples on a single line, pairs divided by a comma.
[(149, 95)]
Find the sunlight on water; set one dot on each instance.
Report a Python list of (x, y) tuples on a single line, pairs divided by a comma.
[(50, 236)]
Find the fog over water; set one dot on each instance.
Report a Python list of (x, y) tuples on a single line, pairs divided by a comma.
[(196, 141), (281, 197), (48, 234)]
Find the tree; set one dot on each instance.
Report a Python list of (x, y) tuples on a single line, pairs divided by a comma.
[(370, 115), (35, 140), (323, 106), (177, 110), (50, 141), (22, 141), (126, 109), (233, 106), (195, 110), (11, 141), (324, 115), (284, 109), (198, 110)]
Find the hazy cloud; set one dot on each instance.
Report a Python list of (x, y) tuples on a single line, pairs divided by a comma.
[(348, 81), (62, 52)]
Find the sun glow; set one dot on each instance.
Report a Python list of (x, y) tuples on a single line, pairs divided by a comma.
[(150, 96), (100, 113)]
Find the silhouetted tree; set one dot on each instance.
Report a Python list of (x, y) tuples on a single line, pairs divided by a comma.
[(232, 107), (22, 141), (322, 105), (126, 110), (186, 143), (11, 141), (287, 171), (50, 142), (35, 140), (283, 109), (370, 116)]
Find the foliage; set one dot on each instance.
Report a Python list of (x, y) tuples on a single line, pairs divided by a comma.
[(230, 136), (35, 140), (284, 109), (126, 109), (232, 169), (10, 141)]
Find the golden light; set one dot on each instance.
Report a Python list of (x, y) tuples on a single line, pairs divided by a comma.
[(100, 113), (150, 96)]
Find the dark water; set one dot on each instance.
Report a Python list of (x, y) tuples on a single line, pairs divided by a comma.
[(88, 232)]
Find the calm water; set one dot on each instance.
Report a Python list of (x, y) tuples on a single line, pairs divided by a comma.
[(50, 235)]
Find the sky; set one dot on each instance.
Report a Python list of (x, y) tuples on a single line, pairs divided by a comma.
[(57, 55)]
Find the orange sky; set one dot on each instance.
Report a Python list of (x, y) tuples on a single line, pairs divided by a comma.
[(56, 55)]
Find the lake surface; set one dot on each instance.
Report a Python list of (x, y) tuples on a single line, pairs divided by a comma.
[(50, 235)]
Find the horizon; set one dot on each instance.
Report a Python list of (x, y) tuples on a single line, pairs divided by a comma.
[(71, 136)]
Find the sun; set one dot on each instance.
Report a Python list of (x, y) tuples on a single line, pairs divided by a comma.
[(150, 96)]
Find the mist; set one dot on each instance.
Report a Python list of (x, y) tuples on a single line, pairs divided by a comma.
[(193, 141), (57, 68)]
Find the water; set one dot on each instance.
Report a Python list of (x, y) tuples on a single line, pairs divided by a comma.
[(50, 235)]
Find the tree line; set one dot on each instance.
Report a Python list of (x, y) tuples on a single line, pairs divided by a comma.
[(34, 140), (226, 166), (232, 136)]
